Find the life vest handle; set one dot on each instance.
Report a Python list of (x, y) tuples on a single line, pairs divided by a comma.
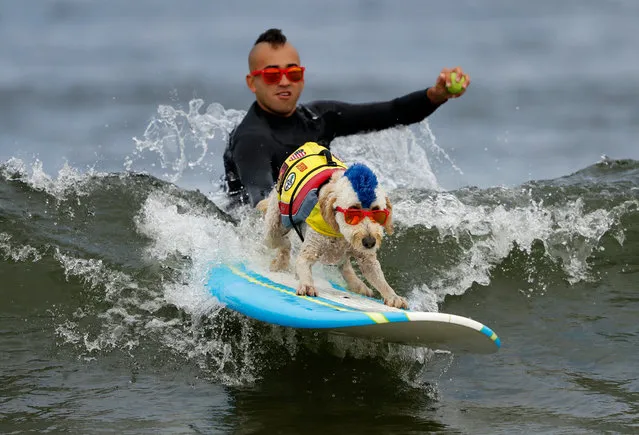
[(329, 157)]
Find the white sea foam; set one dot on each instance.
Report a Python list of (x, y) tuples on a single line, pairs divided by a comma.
[(17, 252), (68, 179), (567, 232)]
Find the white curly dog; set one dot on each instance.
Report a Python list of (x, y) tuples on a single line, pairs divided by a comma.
[(350, 212)]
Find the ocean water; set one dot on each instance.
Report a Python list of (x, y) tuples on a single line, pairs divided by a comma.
[(516, 205)]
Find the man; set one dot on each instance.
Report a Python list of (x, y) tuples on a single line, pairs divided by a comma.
[(275, 125)]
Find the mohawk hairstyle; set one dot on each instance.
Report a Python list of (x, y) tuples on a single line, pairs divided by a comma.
[(274, 37)]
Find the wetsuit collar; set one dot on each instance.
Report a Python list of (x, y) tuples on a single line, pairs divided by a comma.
[(273, 120)]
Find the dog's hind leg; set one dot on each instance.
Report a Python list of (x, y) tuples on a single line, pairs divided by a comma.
[(306, 286), (276, 234), (282, 257), (304, 269), (353, 282)]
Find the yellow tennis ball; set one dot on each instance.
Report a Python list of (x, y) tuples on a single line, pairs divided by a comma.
[(455, 85)]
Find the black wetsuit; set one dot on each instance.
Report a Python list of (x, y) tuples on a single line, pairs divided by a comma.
[(262, 141)]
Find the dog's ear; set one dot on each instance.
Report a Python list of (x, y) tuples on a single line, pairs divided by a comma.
[(326, 201), (388, 226)]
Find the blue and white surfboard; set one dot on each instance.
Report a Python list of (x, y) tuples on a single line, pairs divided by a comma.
[(270, 297)]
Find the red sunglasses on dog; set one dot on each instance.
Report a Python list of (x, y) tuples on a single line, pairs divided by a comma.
[(273, 75), (353, 216)]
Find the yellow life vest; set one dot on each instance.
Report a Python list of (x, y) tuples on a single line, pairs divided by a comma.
[(300, 178)]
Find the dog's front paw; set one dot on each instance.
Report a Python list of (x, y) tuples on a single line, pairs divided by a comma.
[(306, 290), (396, 301)]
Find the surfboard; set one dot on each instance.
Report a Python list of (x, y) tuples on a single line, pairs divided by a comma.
[(270, 297)]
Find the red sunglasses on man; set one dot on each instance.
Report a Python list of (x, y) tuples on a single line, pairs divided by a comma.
[(273, 75)]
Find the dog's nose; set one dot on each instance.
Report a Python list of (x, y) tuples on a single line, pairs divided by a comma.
[(368, 242)]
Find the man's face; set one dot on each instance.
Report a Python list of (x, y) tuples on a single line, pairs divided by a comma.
[(279, 98)]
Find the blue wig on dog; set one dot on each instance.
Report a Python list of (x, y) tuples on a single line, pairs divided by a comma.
[(364, 182)]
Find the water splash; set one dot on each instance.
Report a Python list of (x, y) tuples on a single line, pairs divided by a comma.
[(190, 143), (438, 152), (398, 156), (184, 141)]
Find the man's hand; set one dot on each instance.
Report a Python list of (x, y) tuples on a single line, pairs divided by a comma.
[(439, 94)]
